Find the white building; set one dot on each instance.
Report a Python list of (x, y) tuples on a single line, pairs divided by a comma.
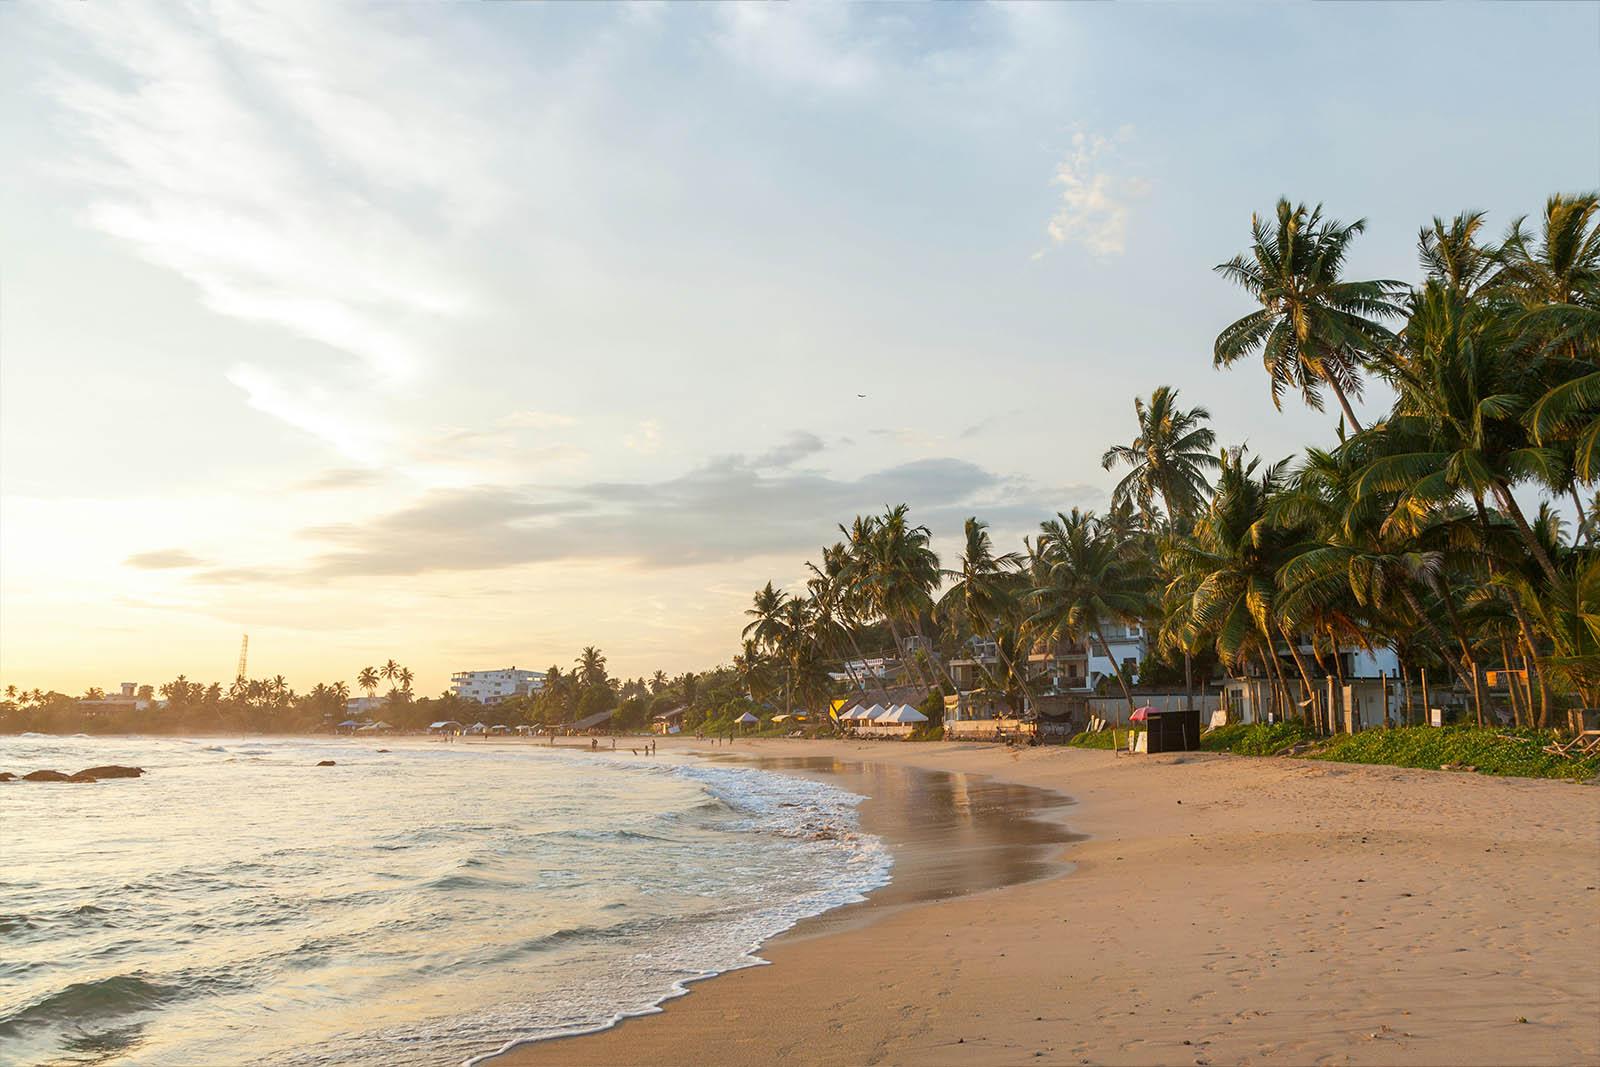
[(357, 706), (491, 687), (133, 697)]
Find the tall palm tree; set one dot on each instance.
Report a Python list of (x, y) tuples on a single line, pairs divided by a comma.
[(1169, 457), (1314, 328), (1089, 582), (391, 672), (1457, 428), (591, 664), (368, 680), (984, 594)]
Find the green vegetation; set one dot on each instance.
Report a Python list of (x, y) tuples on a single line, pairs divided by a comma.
[(1518, 754), (1488, 751), (1255, 739)]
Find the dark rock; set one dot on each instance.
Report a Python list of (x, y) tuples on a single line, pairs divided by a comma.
[(326, 763), (113, 771), (82, 776), (7, 776), (44, 776)]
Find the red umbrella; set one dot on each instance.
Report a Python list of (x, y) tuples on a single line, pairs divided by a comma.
[(1141, 714)]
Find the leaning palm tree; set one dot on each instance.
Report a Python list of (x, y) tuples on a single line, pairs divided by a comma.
[(1314, 328), (1169, 457), (391, 672)]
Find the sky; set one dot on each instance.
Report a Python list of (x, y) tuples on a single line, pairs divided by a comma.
[(470, 335)]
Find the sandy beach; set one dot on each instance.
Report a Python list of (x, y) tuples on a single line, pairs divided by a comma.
[(1219, 910)]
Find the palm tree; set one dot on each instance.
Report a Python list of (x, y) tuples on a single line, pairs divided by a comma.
[(1457, 427), (368, 679), (984, 594), (405, 679), (1169, 457), (1314, 328), (591, 663), (1089, 581), (391, 672)]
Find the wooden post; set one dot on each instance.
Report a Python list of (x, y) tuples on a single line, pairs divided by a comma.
[(1427, 705), (1406, 674), (1383, 685), (1477, 693)]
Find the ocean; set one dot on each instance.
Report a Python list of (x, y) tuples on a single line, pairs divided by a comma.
[(429, 904)]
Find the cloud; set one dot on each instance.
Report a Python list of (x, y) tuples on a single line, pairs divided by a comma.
[(309, 408), (302, 166), (645, 440), (1093, 211), (343, 478), (801, 443), (536, 420), (725, 510), (818, 45), (164, 559)]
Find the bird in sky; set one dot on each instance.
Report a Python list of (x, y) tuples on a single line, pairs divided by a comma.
[(862, 395)]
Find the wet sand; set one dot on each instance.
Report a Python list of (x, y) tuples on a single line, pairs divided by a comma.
[(1220, 910)]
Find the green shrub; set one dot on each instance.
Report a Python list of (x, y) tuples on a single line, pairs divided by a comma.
[(1517, 753), (1255, 739)]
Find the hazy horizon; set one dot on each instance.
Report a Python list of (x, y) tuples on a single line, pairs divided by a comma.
[(467, 336)]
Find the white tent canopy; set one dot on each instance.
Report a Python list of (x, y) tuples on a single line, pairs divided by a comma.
[(873, 712), (902, 713), (747, 717)]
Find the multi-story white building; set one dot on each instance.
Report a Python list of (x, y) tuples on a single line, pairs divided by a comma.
[(491, 687)]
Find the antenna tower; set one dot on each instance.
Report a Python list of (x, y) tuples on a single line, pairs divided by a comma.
[(244, 655)]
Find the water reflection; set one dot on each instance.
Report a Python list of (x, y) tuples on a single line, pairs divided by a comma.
[(952, 833)]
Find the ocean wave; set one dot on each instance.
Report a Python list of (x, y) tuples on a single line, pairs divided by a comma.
[(90, 1002)]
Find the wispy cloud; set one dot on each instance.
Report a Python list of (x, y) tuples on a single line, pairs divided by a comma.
[(722, 511), (800, 444), (819, 45), (162, 559), (1095, 200), (343, 478), (536, 420), (275, 157)]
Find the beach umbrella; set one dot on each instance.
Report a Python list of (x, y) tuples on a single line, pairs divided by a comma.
[(1141, 714), (747, 718)]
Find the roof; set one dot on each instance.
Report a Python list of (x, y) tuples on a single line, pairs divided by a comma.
[(590, 721), (903, 713), (675, 713), (442, 724), (747, 717)]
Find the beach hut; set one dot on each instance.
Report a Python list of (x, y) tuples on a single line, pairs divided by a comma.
[(374, 728), (746, 720), (349, 726), (476, 728), (444, 726), (525, 730), (499, 729)]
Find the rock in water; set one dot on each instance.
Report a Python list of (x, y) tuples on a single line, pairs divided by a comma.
[(82, 776), (44, 776), (326, 763), (113, 771), (7, 776)]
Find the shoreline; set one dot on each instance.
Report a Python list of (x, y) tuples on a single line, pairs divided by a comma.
[(971, 835), (1219, 910)]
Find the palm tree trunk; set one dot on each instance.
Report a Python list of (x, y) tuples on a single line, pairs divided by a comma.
[(1344, 404), (1116, 668), (1583, 517), (1300, 665), (1508, 504), (1511, 684), (1433, 631)]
